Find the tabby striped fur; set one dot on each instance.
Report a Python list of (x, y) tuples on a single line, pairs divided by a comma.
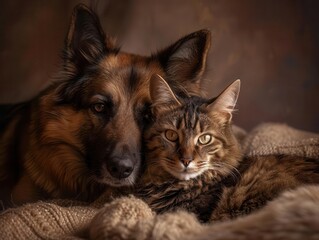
[(182, 169), (220, 184)]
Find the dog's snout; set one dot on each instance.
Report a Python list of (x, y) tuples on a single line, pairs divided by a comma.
[(120, 168)]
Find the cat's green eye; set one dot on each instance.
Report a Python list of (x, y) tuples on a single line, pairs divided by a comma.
[(205, 139), (171, 135)]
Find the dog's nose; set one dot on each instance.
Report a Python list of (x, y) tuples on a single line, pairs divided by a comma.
[(120, 168)]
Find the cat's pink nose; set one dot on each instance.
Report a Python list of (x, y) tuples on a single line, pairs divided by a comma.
[(186, 161)]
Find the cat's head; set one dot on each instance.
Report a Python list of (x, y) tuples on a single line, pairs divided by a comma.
[(191, 135)]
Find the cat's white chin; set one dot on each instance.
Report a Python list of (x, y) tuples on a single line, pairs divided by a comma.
[(185, 175)]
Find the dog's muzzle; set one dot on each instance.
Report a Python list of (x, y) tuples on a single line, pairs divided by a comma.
[(120, 167)]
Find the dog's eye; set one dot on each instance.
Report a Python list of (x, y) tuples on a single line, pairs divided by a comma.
[(147, 114), (98, 107), (144, 115)]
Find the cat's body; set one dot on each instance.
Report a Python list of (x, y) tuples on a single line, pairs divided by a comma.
[(199, 195), (263, 178), (194, 161)]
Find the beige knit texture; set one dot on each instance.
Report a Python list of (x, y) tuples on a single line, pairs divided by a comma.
[(271, 138), (295, 215)]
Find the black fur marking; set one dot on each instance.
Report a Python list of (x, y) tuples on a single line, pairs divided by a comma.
[(143, 115), (133, 81), (191, 110), (98, 151)]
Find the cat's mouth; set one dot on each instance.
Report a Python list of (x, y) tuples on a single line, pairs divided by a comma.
[(183, 173)]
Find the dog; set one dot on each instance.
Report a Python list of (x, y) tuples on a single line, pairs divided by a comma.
[(82, 134)]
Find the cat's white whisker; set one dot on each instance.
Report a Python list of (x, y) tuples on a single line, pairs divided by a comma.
[(224, 170)]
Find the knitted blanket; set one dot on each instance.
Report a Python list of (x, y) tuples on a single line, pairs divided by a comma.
[(294, 215)]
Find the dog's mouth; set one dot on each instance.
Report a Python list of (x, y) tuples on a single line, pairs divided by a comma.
[(105, 177)]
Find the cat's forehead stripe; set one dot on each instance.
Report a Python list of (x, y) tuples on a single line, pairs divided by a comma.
[(179, 121), (190, 116), (201, 126)]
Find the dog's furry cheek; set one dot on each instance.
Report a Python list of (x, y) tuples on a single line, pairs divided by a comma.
[(64, 127)]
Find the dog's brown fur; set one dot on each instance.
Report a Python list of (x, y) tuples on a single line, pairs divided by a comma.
[(78, 135)]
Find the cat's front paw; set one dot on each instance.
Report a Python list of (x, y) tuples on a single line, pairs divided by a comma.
[(119, 220)]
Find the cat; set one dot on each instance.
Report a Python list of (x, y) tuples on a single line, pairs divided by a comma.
[(194, 161), (190, 148)]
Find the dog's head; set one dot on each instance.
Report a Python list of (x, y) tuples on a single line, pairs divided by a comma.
[(111, 91)]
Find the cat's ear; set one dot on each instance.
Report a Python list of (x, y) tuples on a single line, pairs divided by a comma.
[(185, 60), (86, 42), (161, 94), (224, 104)]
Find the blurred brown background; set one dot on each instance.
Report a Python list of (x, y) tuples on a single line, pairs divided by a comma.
[(272, 46)]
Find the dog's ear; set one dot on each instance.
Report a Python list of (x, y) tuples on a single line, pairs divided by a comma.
[(86, 42), (185, 60), (85, 45)]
